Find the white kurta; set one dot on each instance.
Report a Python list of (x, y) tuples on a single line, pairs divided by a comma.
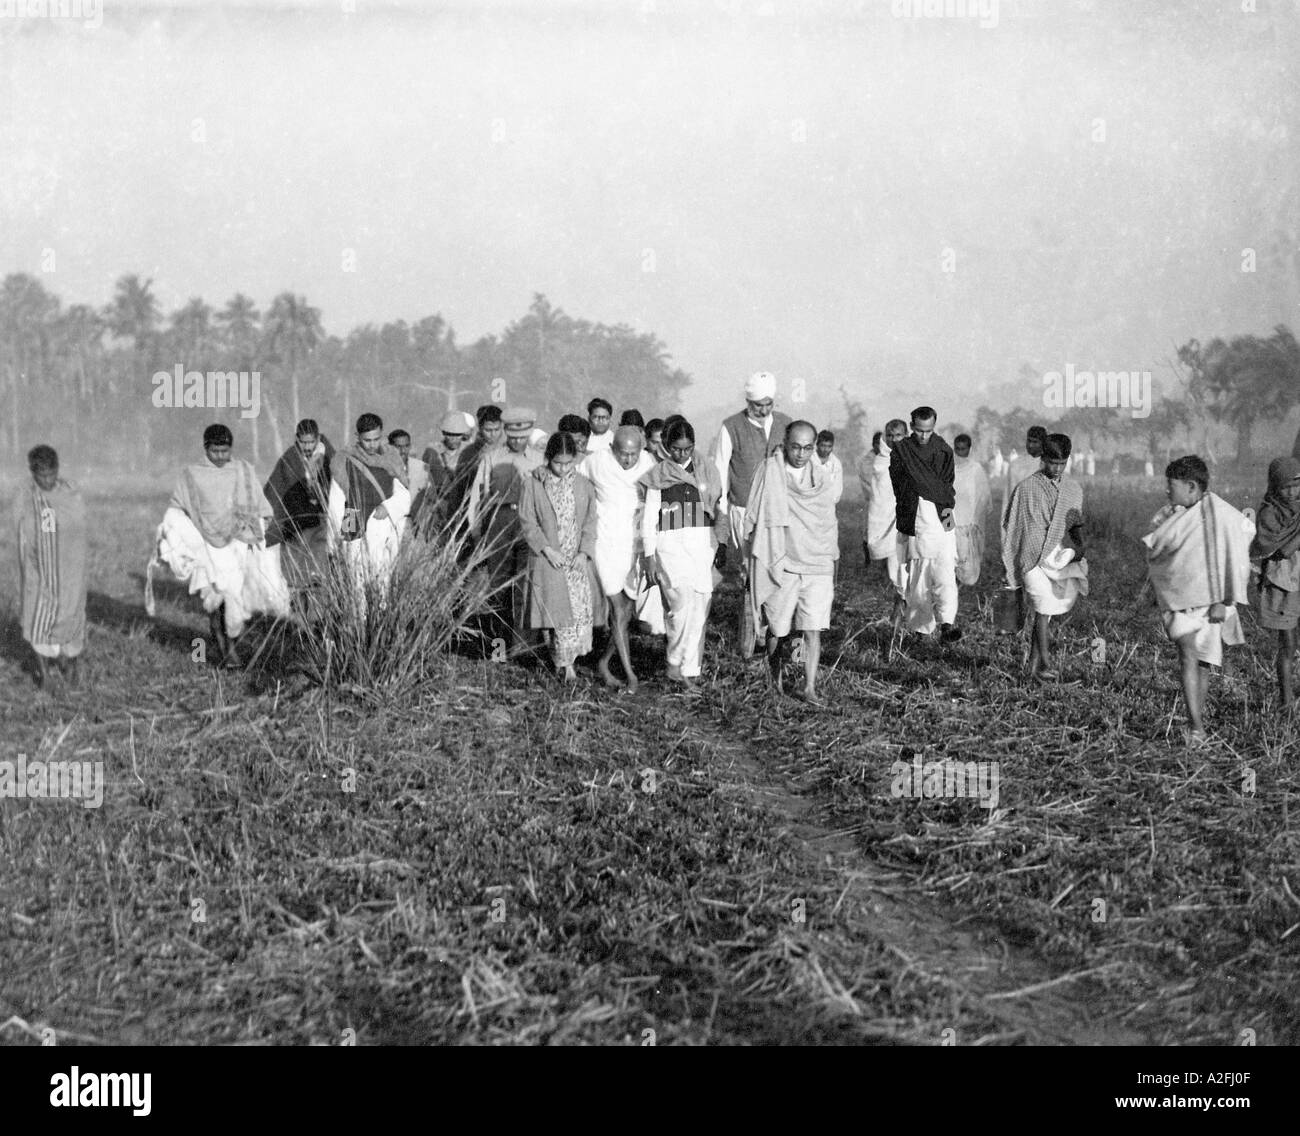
[(721, 458), (600, 443), (618, 536)]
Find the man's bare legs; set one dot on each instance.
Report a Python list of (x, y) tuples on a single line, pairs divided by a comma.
[(620, 616)]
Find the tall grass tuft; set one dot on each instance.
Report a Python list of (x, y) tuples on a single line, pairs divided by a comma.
[(377, 634)]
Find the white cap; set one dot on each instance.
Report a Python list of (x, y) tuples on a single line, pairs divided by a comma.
[(761, 385)]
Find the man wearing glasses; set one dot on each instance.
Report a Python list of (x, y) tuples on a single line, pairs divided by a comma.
[(793, 540), (745, 441)]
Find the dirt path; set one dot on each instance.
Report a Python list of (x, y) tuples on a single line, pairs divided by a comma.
[(1030, 1002)]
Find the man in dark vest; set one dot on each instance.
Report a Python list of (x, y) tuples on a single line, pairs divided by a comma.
[(745, 441)]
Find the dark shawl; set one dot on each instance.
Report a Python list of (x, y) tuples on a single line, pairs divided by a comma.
[(1277, 527), (298, 495), (917, 471), (367, 479)]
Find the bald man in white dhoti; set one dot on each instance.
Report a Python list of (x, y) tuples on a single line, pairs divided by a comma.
[(614, 473)]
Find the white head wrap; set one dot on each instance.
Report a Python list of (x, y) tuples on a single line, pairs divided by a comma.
[(761, 385)]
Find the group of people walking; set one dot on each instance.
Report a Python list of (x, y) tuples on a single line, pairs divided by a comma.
[(595, 525)]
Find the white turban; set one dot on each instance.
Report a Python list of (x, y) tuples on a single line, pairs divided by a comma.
[(761, 385)]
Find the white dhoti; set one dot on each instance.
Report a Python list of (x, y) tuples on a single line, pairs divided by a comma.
[(931, 560), (245, 577), (686, 558), (1054, 586)]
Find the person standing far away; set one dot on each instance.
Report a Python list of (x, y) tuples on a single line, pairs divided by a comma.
[(600, 416), (614, 474), (974, 496), (654, 439), (921, 469), (793, 538), (557, 517), (682, 526), (50, 525), (744, 442), (881, 521), (213, 538), (1020, 467)]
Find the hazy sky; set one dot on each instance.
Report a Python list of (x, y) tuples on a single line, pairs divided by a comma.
[(762, 185)]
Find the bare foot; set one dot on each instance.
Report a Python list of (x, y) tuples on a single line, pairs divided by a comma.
[(674, 673), (569, 675), (1196, 738), (809, 695), (607, 676), (631, 684)]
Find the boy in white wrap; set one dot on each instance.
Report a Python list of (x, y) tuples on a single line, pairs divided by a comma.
[(1198, 565)]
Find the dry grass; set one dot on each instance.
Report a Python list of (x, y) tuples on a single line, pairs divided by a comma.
[(499, 871)]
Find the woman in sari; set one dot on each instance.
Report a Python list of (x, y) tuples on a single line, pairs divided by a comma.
[(681, 529), (557, 515)]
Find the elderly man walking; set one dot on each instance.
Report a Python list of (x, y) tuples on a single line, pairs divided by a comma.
[(792, 536), (614, 474), (744, 442), (921, 469)]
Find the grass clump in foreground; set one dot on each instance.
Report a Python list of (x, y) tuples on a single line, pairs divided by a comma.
[(446, 850)]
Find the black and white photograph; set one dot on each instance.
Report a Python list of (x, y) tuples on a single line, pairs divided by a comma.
[(650, 523)]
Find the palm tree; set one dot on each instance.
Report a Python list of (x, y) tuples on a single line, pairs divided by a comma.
[(78, 351), (192, 335), (133, 312), (291, 332), (27, 314), (237, 332)]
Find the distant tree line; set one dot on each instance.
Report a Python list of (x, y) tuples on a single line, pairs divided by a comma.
[(1221, 400), (81, 377)]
